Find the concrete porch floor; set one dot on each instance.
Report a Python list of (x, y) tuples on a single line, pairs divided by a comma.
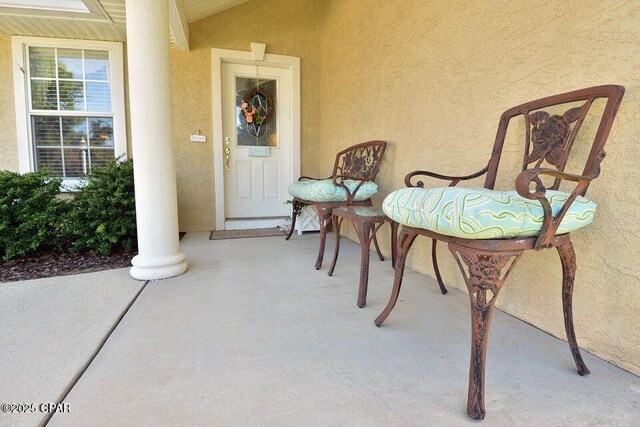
[(253, 335)]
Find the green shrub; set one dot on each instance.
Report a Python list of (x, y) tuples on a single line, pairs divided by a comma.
[(102, 217), (29, 213)]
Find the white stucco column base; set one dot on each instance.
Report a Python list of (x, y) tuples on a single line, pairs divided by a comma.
[(159, 255), (157, 268)]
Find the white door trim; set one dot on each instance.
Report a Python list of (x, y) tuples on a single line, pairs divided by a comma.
[(219, 56)]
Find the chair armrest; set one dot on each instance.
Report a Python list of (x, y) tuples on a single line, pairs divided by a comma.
[(309, 177), (339, 181), (550, 223), (454, 179)]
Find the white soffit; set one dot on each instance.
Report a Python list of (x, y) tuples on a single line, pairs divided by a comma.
[(105, 19), (198, 9), (178, 25), (60, 5), (69, 9)]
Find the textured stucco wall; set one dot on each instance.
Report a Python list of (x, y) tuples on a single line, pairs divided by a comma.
[(8, 145), (432, 78), (288, 28)]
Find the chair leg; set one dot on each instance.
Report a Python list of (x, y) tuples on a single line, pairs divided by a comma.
[(484, 281), (568, 259), (406, 239), (337, 222), (375, 243), (294, 215), (365, 230), (324, 216), (394, 243), (434, 257)]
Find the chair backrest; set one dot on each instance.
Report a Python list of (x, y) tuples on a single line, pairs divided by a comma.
[(359, 162), (549, 138)]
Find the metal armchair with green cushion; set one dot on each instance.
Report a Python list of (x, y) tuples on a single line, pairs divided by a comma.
[(488, 230), (351, 184)]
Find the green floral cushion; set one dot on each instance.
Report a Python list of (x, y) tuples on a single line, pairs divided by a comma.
[(324, 190), (478, 213)]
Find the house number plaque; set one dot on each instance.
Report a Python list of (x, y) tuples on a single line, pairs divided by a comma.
[(259, 151)]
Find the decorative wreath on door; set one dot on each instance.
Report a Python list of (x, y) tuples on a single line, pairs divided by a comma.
[(258, 108)]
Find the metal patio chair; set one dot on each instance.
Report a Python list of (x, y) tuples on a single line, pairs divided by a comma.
[(487, 231), (352, 183)]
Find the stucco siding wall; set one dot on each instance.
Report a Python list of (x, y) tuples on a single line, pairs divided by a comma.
[(288, 28), (8, 144), (433, 77)]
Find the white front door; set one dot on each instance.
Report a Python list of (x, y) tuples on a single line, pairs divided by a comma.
[(256, 127)]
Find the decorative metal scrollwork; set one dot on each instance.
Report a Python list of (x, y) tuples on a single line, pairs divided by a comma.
[(552, 136), (361, 162)]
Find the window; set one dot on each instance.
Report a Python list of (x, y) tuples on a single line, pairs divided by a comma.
[(69, 105)]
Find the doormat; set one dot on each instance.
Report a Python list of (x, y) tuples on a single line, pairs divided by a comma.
[(242, 234)]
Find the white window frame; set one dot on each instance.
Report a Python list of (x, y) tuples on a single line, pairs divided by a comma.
[(20, 45)]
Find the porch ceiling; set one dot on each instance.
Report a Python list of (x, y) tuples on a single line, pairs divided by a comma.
[(107, 22), (110, 26)]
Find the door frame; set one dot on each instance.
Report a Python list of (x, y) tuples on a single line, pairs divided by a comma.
[(220, 56)]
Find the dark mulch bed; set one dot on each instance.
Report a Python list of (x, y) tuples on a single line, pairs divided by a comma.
[(49, 265), (62, 264)]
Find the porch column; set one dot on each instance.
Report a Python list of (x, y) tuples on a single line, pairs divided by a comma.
[(159, 255)]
